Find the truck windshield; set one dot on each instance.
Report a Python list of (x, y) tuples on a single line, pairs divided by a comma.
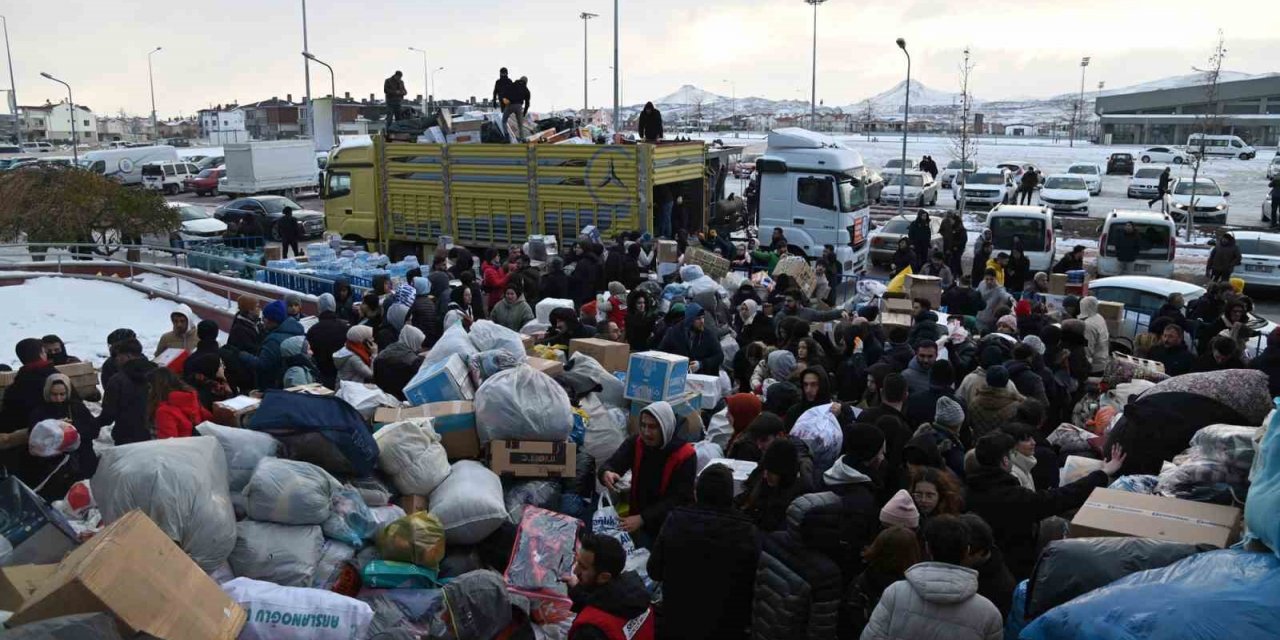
[(853, 195)]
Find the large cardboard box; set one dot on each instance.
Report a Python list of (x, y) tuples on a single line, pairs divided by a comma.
[(235, 412), (1058, 284), (896, 319), (133, 571), (546, 365), (445, 381), (656, 375), (897, 305), (172, 359), (712, 263), (800, 271), (1113, 313), (926, 287), (668, 251), (533, 459), (454, 421), (17, 583), (84, 379), (1121, 513), (613, 356), (526, 341)]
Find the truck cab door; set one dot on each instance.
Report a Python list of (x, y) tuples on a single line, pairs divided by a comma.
[(814, 212)]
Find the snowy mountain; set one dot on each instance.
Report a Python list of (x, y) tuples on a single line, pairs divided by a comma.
[(689, 94), (920, 95)]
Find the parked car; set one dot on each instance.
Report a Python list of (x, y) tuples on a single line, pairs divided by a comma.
[(1165, 154), (210, 162), (1157, 243), (12, 162), (952, 169), (884, 239), (1065, 193), (1092, 174), (260, 215), (10, 149), (1273, 169), (986, 187), (896, 165), (204, 183), (743, 170), (1034, 225), (917, 188), (37, 147), (1212, 203), (1260, 258), (169, 177), (1145, 182), (1017, 168), (198, 223), (1120, 163)]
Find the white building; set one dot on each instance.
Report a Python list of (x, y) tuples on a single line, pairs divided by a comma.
[(223, 126), (52, 122), (1021, 130)]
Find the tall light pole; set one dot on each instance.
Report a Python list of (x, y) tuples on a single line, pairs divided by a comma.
[(617, 82), (426, 80), (432, 83), (585, 17), (151, 78), (813, 86), (906, 118), (333, 95), (306, 72), (71, 103), (1084, 64), (13, 87), (1098, 132)]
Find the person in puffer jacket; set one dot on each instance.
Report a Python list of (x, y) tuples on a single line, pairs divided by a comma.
[(798, 582), (939, 599), (1096, 335), (175, 407)]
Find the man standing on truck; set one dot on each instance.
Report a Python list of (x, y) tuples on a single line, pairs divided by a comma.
[(288, 229), (650, 123), (500, 88), (516, 102), (394, 90)]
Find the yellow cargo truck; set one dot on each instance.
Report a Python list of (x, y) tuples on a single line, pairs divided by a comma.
[(401, 196)]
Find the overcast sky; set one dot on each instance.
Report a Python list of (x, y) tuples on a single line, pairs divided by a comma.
[(247, 50)]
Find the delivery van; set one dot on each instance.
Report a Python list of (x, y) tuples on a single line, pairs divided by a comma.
[(1157, 243)]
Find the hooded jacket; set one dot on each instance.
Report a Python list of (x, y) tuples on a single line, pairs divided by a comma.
[(396, 365), (178, 415), (299, 369), (605, 611), (1027, 381), (587, 272), (124, 403), (1224, 257), (936, 601), (916, 376), (639, 327), (1097, 336), (494, 281), (665, 475), (186, 341), (701, 346), (326, 336), (268, 365), (992, 298), (427, 314), (511, 315), (73, 410), (859, 515)]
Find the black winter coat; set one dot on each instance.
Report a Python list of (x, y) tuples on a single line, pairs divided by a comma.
[(394, 368), (650, 125), (124, 403), (895, 440), (1127, 246), (650, 504), (427, 317), (962, 301), (1178, 360), (897, 355), (706, 560), (83, 463), (554, 285), (583, 282), (623, 597), (1269, 363), (326, 337), (996, 583), (1017, 273), (701, 346), (799, 586), (23, 396)]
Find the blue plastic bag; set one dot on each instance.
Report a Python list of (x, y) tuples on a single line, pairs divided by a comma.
[(1262, 507), (1016, 622), (1209, 596)]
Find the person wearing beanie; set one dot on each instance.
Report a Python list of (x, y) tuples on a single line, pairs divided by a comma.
[(946, 435), (900, 511), (326, 337), (206, 337), (268, 364), (204, 373), (109, 367), (1007, 324), (354, 361), (706, 557), (990, 356), (662, 465), (293, 305), (246, 328), (772, 486), (921, 451), (183, 335), (993, 405)]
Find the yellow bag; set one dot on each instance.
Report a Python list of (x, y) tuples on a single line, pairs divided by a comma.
[(416, 538), (898, 284)]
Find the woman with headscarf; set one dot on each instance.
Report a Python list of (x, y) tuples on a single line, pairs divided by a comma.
[(299, 368), (776, 367), (745, 361), (641, 316), (752, 325), (61, 404), (464, 298), (397, 316), (354, 361), (396, 365), (742, 410)]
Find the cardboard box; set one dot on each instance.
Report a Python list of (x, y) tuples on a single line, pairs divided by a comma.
[(84, 379), (532, 459), (235, 412), (1111, 310), (668, 251), (712, 263), (1121, 513), (471, 137), (927, 287), (444, 381), (454, 421), (613, 356), (467, 126), (412, 504), (800, 272), (895, 318), (549, 367), (168, 357), (38, 533), (527, 342), (17, 583), (133, 571), (313, 389), (655, 375), (896, 305), (707, 386), (1058, 284)]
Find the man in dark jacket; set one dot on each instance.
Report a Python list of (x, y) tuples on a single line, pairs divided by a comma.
[(650, 123), (1172, 351), (1013, 511), (898, 352), (954, 237), (851, 478), (554, 283), (662, 467), (587, 272), (287, 228), (124, 401), (1128, 244), (693, 341), (326, 337), (23, 396), (890, 417), (706, 559), (501, 87), (1024, 376), (1073, 261), (962, 299), (610, 604), (528, 279), (109, 367), (268, 364), (394, 91), (1027, 187), (1223, 259), (920, 233), (1162, 190), (515, 103), (55, 350)]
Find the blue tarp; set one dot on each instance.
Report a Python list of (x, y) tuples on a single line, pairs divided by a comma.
[(282, 412), (1262, 507)]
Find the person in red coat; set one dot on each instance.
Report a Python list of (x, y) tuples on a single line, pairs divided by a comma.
[(175, 407), (496, 274)]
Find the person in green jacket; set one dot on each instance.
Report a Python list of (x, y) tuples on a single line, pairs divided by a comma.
[(511, 311)]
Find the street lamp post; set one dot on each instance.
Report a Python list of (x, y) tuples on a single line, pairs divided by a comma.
[(306, 71), (432, 83), (71, 104), (426, 80), (1098, 132), (1084, 64), (13, 87), (813, 87), (617, 82), (906, 117), (585, 17), (333, 95), (151, 78)]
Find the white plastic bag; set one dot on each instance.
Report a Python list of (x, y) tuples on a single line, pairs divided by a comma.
[(469, 503), (611, 388), (729, 347), (1076, 467), (718, 430), (243, 449), (411, 453), (454, 341), (820, 429), (487, 336), (522, 404), (278, 553), (51, 438), (297, 613), (545, 306), (605, 521), (181, 484), (289, 492), (366, 398), (606, 428), (707, 451)]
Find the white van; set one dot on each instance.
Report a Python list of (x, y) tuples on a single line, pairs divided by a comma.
[(1227, 146), (1157, 243), (1034, 225), (125, 165), (169, 177)]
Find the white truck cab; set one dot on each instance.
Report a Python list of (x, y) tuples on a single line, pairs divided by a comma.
[(813, 188)]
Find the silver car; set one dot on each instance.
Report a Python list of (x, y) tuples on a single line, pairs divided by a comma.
[(1260, 258), (884, 240)]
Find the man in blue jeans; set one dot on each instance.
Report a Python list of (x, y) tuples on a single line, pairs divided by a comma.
[(665, 205)]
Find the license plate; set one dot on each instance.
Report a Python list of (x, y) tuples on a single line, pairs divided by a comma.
[(1258, 268), (1141, 268)]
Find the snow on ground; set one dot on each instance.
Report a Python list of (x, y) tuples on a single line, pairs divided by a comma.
[(184, 289)]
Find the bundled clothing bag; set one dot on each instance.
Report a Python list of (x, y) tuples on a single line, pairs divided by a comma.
[(469, 503), (243, 449), (295, 613), (322, 430), (282, 554), (522, 404), (411, 453), (289, 492)]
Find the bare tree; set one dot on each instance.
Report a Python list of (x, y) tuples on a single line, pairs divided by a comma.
[(868, 116), (963, 145), (1207, 121)]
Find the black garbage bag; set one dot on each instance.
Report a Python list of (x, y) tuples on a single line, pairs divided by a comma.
[(1069, 568)]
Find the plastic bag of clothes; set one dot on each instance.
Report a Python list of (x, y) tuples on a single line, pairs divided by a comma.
[(407, 611), (50, 438), (411, 453), (243, 450), (1072, 440), (489, 336), (611, 388), (276, 553), (542, 311), (322, 430), (478, 605), (544, 494), (469, 503), (454, 341), (1262, 509), (486, 363), (707, 451), (297, 613), (383, 516), (389, 574), (1207, 596), (1069, 568), (522, 404), (1016, 619), (289, 492), (550, 613), (1136, 484), (181, 484), (366, 398), (350, 519), (416, 538), (79, 626), (546, 544), (1214, 469), (372, 491), (820, 429), (334, 567)]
